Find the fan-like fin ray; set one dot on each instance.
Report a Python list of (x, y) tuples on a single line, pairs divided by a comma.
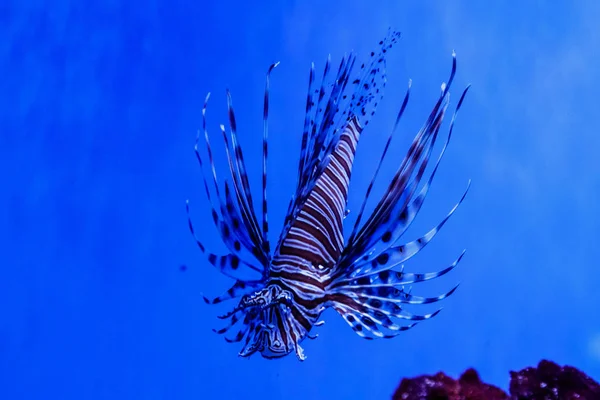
[(334, 109), (408, 213), (238, 289), (265, 220), (389, 278), (398, 195), (396, 255), (396, 189), (385, 150)]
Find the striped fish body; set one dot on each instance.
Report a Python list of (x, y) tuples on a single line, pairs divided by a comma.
[(282, 294), (312, 247)]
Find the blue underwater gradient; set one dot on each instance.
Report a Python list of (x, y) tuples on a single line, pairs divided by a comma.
[(100, 103)]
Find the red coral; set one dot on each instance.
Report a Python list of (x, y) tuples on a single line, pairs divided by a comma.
[(551, 381), (548, 381), (440, 386)]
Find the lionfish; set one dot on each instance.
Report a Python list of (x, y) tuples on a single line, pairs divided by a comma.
[(313, 267)]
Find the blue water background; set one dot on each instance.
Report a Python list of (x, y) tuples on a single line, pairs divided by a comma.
[(99, 107)]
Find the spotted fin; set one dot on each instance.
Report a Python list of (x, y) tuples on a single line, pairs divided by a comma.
[(395, 256), (348, 96), (404, 216), (370, 304)]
